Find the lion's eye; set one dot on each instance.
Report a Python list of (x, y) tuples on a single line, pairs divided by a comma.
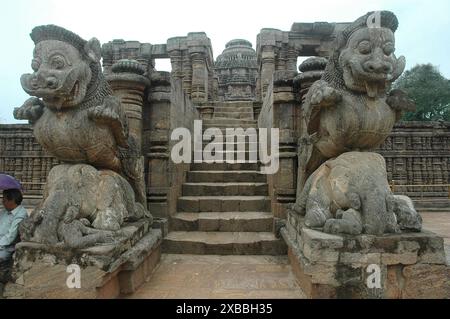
[(364, 47), (58, 62), (389, 48), (35, 65)]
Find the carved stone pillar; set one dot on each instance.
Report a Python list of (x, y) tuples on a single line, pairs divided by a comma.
[(285, 109), (129, 84), (176, 60), (292, 56), (199, 91), (157, 133), (267, 68)]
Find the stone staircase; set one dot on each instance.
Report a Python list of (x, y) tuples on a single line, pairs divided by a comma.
[(224, 208)]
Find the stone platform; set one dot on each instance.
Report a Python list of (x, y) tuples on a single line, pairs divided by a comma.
[(106, 271), (411, 265), (221, 277)]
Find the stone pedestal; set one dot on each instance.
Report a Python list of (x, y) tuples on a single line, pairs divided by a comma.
[(107, 271), (400, 266)]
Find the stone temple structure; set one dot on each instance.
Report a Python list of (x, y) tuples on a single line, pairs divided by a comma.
[(108, 197), (237, 70)]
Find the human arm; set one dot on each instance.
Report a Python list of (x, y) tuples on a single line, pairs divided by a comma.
[(10, 237)]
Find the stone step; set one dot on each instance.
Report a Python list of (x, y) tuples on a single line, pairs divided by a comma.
[(225, 177), (221, 122), (234, 115), (225, 189), (224, 243), (432, 203), (223, 221), (233, 147), (233, 109), (224, 167), (204, 204), (235, 155), (223, 127), (234, 103)]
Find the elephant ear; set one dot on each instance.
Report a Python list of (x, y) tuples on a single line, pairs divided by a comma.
[(93, 50)]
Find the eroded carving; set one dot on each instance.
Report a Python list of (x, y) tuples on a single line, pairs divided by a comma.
[(77, 119), (352, 109)]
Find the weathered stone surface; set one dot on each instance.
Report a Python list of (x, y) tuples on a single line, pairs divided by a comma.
[(345, 270), (237, 71), (316, 239), (223, 243), (350, 194), (424, 281), (105, 271)]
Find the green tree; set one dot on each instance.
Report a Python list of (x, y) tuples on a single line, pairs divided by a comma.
[(429, 89)]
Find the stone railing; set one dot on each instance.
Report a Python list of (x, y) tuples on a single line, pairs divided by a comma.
[(280, 110)]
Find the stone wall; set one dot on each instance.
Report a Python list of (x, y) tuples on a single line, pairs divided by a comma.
[(22, 157), (419, 154), (170, 108)]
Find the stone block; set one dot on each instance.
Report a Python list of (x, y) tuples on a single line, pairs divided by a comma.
[(424, 281), (230, 205), (319, 255), (360, 258), (210, 205), (316, 239), (43, 272), (402, 259), (188, 205), (399, 259)]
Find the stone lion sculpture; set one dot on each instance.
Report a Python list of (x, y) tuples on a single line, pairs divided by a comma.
[(352, 108), (77, 119), (75, 116)]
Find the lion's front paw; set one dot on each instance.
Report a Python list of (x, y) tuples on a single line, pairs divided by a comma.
[(325, 96), (31, 110), (399, 101), (103, 114)]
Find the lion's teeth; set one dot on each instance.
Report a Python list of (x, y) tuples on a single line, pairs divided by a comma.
[(372, 89)]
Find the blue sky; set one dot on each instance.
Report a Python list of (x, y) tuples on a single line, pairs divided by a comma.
[(423, 35)]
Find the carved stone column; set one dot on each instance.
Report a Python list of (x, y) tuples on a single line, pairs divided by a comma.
[(267, 68), (285, 109), (199, 91), (157, 132), (129, 84)]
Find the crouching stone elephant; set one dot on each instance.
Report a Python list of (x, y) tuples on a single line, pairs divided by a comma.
[(82, 206), (351, 195)]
